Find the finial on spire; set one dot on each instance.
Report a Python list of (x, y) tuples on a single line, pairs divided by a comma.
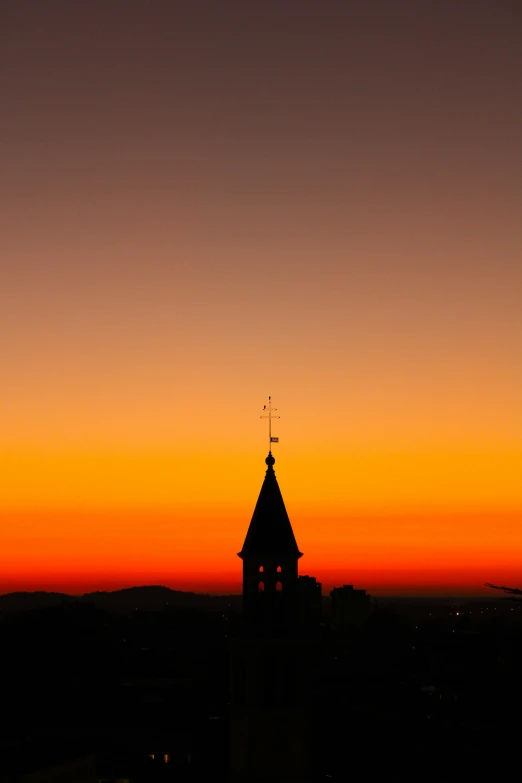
[(270, 415)]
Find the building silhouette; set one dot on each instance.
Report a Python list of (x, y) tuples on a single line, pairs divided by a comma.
[(350, 607), (271, 663)]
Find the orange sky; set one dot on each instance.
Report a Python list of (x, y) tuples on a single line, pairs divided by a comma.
[(203, 208)]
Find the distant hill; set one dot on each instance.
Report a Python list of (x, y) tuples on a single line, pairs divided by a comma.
[(146, 598)]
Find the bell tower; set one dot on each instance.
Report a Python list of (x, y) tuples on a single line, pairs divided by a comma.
[(270, 736), (270, 556)]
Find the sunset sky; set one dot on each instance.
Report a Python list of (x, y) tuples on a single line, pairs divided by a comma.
[(204, 203)]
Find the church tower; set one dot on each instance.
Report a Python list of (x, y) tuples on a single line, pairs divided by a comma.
[(270, 555), (270, 736)]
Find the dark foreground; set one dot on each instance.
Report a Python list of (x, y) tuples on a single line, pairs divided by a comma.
[(414, 691)]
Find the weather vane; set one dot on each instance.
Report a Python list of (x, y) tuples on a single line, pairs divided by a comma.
[(270, 415)]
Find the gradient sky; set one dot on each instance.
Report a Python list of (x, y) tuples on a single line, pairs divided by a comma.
[(204, 203)]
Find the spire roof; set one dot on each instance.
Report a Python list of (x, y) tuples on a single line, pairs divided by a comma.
[(270, 532)]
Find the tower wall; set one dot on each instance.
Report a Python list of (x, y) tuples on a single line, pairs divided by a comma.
[(270, 729)]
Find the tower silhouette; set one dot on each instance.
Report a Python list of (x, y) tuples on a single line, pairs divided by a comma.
[(270, 562), (270, 661)]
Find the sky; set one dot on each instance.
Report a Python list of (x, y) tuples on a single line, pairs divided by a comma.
[(206, 203)]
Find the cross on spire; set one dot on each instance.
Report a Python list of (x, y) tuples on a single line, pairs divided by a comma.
[(270, 415)]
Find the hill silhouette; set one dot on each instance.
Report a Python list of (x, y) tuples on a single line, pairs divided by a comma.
[(144, 598)]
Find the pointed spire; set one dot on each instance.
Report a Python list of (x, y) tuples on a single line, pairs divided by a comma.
[(270, 532)]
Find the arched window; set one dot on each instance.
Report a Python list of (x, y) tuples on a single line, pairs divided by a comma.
[(261, 569), (261, 587), (279, 586), (279, 569)]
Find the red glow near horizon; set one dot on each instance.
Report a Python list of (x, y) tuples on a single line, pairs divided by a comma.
[(415, 581)]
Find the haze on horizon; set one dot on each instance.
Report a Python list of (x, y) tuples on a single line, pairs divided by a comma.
[(204, 204)]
